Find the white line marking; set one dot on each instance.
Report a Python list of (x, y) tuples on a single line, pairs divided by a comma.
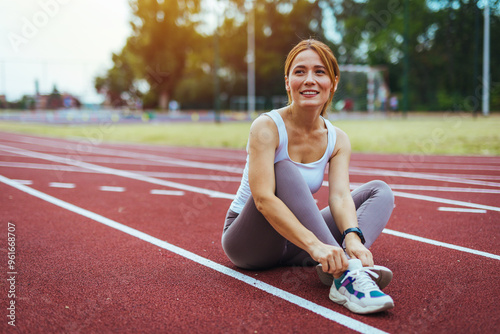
[(237, 179), (224, 195), (62, 185), (139, 156), (41, 166), (239, 170), (420, 176), (223, 178), (446, 201), (441, 244), (166, 192), (442, 208), (287, 296), (445, 166), (113, 189), (25, 182), (442, 189), (118, 172), (437, 200)]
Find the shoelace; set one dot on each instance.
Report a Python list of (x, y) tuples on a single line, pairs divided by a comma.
[(362, 278)]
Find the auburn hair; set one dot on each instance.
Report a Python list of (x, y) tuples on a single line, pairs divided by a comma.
[(327, 57)]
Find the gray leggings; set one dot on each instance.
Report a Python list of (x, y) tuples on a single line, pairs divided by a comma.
[(251, 242)]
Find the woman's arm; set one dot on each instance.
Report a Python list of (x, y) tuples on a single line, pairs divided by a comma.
[(340, 199), (263, 141)]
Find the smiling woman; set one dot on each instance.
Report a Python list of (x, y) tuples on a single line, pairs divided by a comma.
[(274, 220)]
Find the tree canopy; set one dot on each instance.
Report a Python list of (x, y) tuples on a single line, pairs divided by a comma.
[(171, 52)]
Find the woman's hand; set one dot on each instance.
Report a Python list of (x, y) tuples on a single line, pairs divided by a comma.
[(332, 259), (356, 250)]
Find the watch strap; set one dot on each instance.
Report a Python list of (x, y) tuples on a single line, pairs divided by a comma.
[(356, 230)]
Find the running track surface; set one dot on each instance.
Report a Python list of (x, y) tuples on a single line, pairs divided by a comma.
[(126, 238)]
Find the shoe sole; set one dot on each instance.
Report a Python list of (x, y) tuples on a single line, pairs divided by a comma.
[(383, 280), (340, 299)]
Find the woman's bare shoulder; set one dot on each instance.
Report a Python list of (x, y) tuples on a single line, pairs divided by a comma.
[(342, 142), (264, 130)]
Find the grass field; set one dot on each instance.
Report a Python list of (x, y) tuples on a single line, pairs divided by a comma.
[(454, 134)]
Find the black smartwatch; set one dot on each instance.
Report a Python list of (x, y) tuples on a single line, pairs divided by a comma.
[(355, 230)]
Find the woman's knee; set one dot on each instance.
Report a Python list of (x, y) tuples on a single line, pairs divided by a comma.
[(382, 189), (284, 166), (288, 174)]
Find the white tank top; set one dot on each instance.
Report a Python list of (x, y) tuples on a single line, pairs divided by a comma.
[(313, 172)]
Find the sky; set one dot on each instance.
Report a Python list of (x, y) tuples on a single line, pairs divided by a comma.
[(66, 43)]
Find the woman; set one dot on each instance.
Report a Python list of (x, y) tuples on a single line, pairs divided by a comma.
[(274, 219)]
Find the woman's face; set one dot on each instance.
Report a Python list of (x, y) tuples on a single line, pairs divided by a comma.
[(308, 82)]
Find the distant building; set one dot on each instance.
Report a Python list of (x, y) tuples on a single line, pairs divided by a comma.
[(57, 101)]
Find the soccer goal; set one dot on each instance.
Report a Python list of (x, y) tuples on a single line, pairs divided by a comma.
[(361, 88)]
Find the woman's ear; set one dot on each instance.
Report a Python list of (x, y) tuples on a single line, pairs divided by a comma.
[(287, 85), (334, 89)]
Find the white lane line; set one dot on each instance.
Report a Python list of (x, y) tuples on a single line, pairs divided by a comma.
[(410, 159), (442, 208), (205, 177), (117, 172), (442, 189), (440, 244), (210, 192), (138, 156), (420, 176), (88, 145), (446, 201), (445, 166), (62, 185), (287, 296), (239, 170), (25, 182), (166, 192), (30, 165), (112, 189), (237, 179)]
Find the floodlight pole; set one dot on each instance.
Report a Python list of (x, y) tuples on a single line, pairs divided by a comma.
[(475, 76), (406, 64), (216, 68), (251, 59), (216, 76), (486, 60)]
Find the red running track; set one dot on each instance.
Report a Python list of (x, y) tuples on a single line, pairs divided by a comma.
[(126, 238)]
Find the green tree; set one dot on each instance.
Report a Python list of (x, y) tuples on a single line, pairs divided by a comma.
[(279, 25), (163, 36), (118, 80), (441, 46)]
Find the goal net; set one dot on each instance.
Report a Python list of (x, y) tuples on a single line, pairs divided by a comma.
[(361, 88)]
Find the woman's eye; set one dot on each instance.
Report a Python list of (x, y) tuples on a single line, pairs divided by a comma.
[(320, 72)]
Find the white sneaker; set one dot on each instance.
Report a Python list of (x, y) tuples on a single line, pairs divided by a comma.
[(357, 291), (380, 274)]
